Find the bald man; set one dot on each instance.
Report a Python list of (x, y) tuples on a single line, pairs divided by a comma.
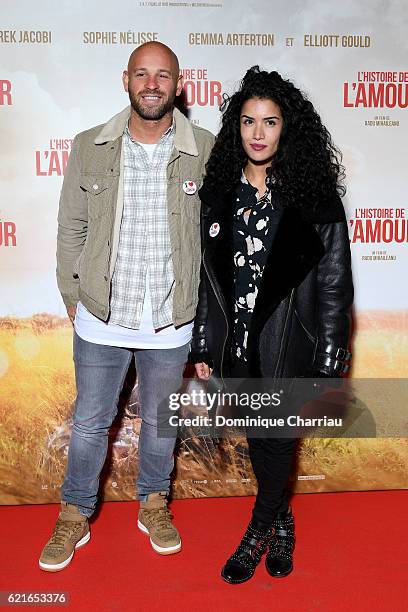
[(128, 260)]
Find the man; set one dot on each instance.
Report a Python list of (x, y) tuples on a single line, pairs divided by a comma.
[(128, 259)]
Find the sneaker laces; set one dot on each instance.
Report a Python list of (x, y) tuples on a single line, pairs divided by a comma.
[(161, 517), (64, 529)]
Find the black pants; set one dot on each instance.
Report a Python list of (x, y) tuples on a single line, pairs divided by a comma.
[(271, 460)]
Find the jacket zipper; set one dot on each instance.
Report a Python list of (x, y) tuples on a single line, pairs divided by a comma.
[(223, 312), (308, 334), (278, 365)]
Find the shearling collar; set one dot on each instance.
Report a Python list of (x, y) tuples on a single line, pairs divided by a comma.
[(184, 140)]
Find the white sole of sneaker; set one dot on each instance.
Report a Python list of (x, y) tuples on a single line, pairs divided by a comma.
[(60, 566), (170, 550)]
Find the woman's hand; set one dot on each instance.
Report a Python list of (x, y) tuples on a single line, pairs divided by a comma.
[(203, 370)]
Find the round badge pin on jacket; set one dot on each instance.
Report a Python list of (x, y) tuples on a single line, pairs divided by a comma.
[(189, 187), (214, 230)]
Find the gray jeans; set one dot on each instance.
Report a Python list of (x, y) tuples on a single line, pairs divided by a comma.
[(100, 372)]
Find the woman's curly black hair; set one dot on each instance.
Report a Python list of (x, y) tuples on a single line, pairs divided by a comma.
[(306, 167)]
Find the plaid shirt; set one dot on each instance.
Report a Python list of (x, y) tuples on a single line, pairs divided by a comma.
[(144, 241)]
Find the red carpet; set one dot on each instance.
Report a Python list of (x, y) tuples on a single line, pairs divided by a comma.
[(351, 555)]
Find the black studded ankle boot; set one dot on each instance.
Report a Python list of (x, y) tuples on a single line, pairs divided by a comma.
[(241, 566), (279, 561)]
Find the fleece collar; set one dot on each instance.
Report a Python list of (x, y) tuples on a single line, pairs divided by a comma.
[(184, 140)]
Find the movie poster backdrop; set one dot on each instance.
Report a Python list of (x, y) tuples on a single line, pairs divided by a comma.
[(60, 73)]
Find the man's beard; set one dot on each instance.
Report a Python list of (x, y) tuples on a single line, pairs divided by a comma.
[(148, 112)]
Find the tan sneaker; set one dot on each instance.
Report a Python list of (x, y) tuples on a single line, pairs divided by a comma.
[(71, 532), (155, 520)]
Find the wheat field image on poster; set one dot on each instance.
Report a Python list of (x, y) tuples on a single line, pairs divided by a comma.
[(37, 394)]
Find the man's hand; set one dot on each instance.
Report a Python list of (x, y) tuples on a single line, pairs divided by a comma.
[(71, 310), (203, 370)]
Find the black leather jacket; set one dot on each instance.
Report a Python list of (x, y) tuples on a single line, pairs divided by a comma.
[(301, 321)]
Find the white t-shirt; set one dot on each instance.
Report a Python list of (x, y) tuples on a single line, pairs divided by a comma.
[(90, 328)]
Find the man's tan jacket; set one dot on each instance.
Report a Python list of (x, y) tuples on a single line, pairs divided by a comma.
[(90, 214)]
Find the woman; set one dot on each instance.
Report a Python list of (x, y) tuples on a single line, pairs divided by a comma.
[(276, 288)]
